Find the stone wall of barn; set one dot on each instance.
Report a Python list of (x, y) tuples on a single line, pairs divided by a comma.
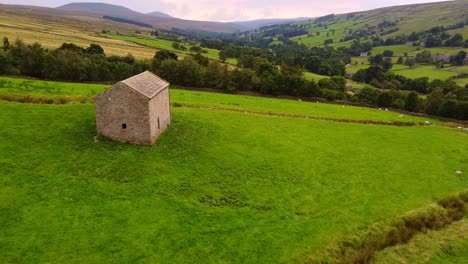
[(122, 114), (160, 116)]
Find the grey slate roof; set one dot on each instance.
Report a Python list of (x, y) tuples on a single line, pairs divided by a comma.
[(146, 83)]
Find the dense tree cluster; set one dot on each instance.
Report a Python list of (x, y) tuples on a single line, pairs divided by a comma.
[(69, 62)]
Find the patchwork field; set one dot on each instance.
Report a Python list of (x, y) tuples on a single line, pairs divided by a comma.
[(235, 179), (162, 44)]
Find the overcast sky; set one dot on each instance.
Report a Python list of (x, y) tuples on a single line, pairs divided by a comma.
[(236, 10)]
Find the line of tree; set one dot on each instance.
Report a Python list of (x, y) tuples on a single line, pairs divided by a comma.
[(68, 62), (74, 63)]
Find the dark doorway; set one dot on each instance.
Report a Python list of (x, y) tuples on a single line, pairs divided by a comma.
[(124, 126)]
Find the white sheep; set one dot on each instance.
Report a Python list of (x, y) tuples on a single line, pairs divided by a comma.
[(458, 173)]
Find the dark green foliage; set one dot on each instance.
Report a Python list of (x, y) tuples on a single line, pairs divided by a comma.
[(424, 57), (449, 108), (459, 59), (165, 55), (195, 49), (455, 41), (6, 44), (411, 102), (410, 62), (95, 49), (388, 53), (385, 99)]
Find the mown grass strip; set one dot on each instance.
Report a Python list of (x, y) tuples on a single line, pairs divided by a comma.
[(362, 247), (286, 115)]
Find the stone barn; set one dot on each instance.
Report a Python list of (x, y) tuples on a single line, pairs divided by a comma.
[(136, 110)]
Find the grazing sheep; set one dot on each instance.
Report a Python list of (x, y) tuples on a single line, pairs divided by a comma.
[(401, 116), (386, 109), (459, 173), (427, 122)]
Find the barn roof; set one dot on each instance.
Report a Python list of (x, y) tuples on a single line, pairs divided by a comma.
[(146, 83)]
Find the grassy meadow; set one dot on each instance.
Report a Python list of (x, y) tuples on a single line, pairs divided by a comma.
[(219, 186), (52, 33), (166, 45), (47, 89)]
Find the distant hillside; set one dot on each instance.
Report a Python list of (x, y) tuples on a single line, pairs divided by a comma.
[(155, 19), (100, 8), (158, 14), (255, 24), (388, 22)]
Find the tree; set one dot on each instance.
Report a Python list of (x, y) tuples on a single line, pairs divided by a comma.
[(195, 49), (455, 41), (30, 58), (203, 61), (424, 57), (400, 60), (385, 99), (388, 53), (387, 64), (165, 55), (459, 59), (433, 102), (449, 108), (411, 102), (95, 49), (410, 62), (6, 44)]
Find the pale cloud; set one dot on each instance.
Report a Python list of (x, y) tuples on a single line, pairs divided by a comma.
[(231, 10)]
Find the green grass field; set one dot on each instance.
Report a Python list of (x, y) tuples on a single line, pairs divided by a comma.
[(430, 71), (219, 186), (423, 71), (166, 45), (313, 76), (17, 86)]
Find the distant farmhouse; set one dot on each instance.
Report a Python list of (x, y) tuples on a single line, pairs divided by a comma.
[(364, 54), (445, 57), (136, 110)]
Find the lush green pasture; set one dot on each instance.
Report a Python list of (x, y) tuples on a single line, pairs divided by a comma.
[(165, 45), (313, 76), (218, 187), (17, 86), (461, 81), (429, 71), (398, 50)]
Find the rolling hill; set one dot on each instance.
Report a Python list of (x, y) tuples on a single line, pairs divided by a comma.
[(384, 22), (158, 14), (255, 24)]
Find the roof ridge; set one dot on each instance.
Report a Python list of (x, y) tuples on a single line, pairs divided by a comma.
[(146, 83)]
